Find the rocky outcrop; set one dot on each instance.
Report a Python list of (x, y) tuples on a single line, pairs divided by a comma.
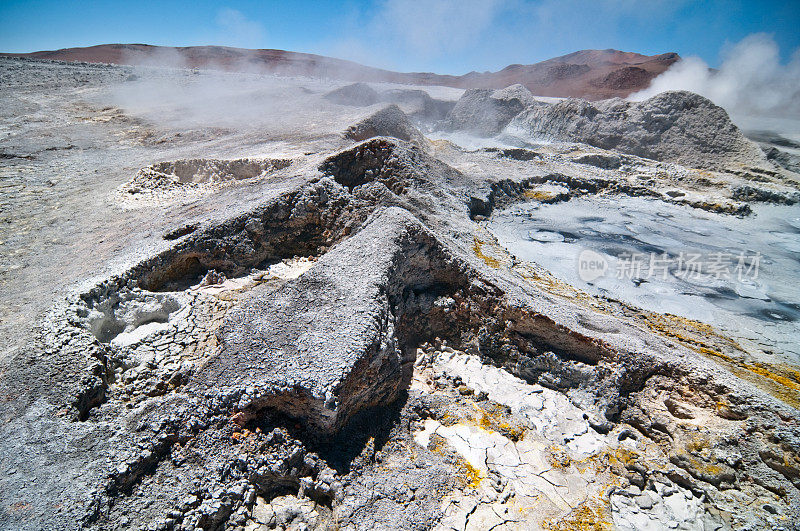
[(389, 121), (357, 94), (418, 104), (486, 112), (674, 126), (784, 159), (272, 344)]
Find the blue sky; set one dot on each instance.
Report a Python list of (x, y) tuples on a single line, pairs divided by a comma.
[(446, 36)]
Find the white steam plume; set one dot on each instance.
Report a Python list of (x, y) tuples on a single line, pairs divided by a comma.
[(752, 81)]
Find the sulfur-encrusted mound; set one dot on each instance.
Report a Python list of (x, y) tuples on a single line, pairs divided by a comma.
[(674, 126), (389, 121), (418, 104), (357, 95), (486, 112)]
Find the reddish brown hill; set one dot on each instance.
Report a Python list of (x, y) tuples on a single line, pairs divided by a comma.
[(591, 74)]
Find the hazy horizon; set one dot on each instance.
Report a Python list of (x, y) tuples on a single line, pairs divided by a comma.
[(443, 36)]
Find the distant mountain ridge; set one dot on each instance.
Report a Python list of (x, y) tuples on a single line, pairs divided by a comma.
[(589, 74)]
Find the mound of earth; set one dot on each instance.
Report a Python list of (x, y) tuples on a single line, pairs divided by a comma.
[(357, 95), (486, 112), (674, 126), (628, 77), (588, 74), (418, 104), (389, 121)]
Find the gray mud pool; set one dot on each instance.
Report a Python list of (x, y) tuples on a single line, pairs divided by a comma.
[(741, 275)]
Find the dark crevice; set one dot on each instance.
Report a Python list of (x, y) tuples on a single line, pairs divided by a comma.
[(507, 192), (247, 244), (180, 232), (359, 166), (520, 154), (341, 450)]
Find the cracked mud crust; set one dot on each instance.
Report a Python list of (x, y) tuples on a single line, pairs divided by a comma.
[(307, 324)]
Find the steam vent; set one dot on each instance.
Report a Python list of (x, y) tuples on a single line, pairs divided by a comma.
[(249, 301)]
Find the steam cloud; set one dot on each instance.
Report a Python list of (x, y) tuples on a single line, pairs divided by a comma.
[(187, 100), (752, 81), (238, 95)]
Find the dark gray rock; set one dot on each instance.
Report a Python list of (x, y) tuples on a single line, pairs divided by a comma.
[(784, 159), (273, 344), (606, 162), (753, 193)]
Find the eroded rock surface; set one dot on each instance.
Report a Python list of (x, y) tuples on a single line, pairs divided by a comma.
[(486, 112), (389, 121), (357, 94), (418, 104), (272, 343), (673, 126)]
